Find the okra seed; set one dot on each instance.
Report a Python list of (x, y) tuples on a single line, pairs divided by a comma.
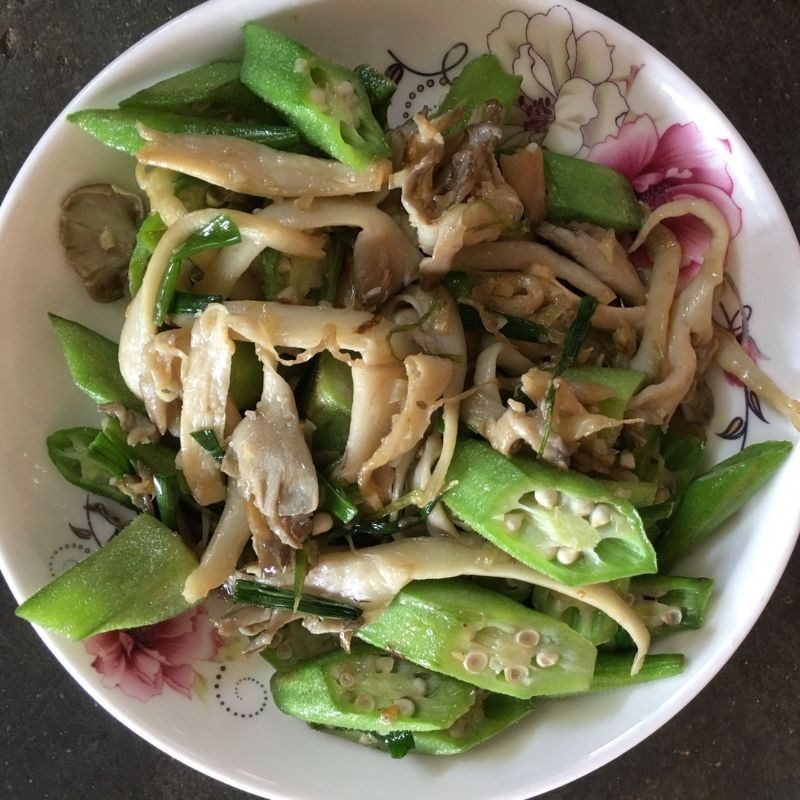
[(475, 661), (419, 687), (626, 460), (384, 664), (364, 702), (300, 65), (546, 658), (513, 521), (546, 497), (581, 506), (321, 523), (284, 651), (527, 637), (567, 555), (600, 516), (516, 673), (550, 551), (673, 616), (317, 96), (347, 679), (405, 706)]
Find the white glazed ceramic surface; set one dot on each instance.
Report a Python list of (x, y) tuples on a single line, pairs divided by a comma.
[(229, 728)]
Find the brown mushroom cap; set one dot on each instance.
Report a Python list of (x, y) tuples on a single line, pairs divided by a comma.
[(98, 231)]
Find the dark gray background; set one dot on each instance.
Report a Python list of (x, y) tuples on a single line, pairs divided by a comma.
[(739, 739)]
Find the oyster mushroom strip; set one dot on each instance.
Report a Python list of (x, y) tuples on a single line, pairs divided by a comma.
[(372, 576), (205, 394), (504, 428), (139, 328), (733, 358), (98, 233), (690, 318), (384, 260), (599, 251), (269, 457), (665, 251), (458, 203), (256, 169), (159, 186), (520, 256), (428, 377), (441, 335)]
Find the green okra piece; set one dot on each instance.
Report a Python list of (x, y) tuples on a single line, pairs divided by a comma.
[(482, 79), (213, 87), (293, 644), (334, 499), (589, 622), (136, 579), (247, 376), (327, 102), (328, 404), (561, 523), (640, 494), (464, 630), (158, 458), (69, 451), (119, 128), (718, 494), (369, 690), (93, 363), (613, 670), (491, 714), (625, 383), (148, 236), (577, 190), (380, 90)]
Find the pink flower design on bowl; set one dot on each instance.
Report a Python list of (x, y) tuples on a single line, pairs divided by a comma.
[(676, 164), (141, 661)]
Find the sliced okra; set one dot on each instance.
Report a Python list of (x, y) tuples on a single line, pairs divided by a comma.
[(476, 635), (294, 644), (563, 524)]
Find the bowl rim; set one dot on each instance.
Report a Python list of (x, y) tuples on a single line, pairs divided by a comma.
[(684, 693)]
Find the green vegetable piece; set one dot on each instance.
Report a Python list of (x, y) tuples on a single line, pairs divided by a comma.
[(260, 594), (483, 79), (463, 630), (69, 451), (214, 85), (207, 439), (158, 458), (219, 232), (589, 622), (613, 670), (93, 362), (328, 404), (149, 235), (625, 383), (332, 267), (380, 91), (190, 303), (516, 590), (398, 743), (555, 511), (580, 191), (134, 580), (638, 493), (247, 376), (105, 452), (718, 494), (118, 128), (326, 101), (334, 499), (491, 714), (368, 690), (270, 279), (166, 497), (293, 645)]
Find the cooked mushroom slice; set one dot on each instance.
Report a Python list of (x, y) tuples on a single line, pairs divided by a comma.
[(98, 231)]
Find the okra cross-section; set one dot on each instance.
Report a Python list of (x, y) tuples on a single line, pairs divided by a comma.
[(566, 525), (472, 633), (368, 690)]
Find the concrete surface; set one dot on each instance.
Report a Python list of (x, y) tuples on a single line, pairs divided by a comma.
[(739, 739)]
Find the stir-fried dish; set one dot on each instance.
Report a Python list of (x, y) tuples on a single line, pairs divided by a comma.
[(424, 417)]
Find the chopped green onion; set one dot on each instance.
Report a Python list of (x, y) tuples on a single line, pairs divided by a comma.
[(219, 232), (300, 572), (166, 497), (335, 500), (270, 281), (398, 743), (572, 346), (259, 594), (104, 451), (188, 303), (149, 235), (334, 260), (207, 439)]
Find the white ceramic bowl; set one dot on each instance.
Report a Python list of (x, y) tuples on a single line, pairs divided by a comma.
[(225, 724)]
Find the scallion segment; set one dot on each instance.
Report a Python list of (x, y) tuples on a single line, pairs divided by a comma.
[(194, 304), (207, 439), (259, 594)]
